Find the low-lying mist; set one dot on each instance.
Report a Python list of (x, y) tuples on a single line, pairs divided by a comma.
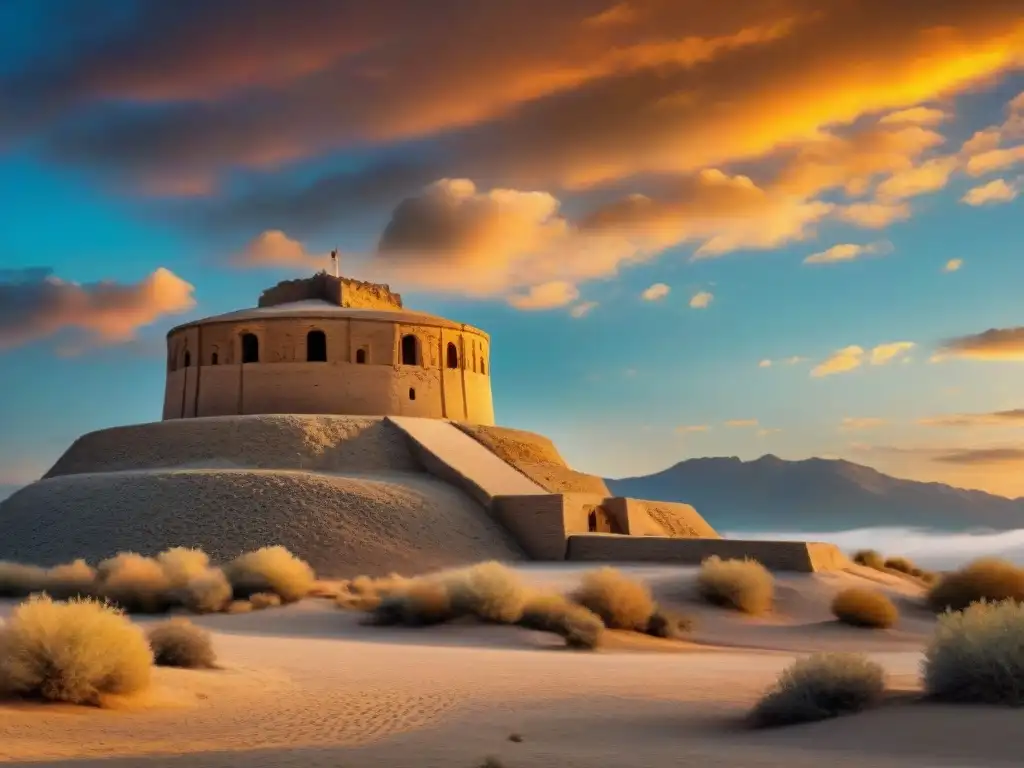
[(930, 549)]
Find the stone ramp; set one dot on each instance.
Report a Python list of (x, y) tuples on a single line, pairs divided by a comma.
[(452, 455)]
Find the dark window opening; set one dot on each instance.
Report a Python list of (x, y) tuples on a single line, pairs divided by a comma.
[(316, 347), (250, 348), (453, 356), (592, 521), (188, 359), (361, 356), (412, 393), (214, 359), (483, 365), (410, 350)]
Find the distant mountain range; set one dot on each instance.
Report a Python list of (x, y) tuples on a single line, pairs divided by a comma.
[(817, 495)]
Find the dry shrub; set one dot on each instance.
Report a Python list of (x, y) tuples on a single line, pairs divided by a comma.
[(671, 626), (180, 643), (271, 569), (867, 608), (490, 591), (422, 603), (977, 655), (744, 585), (987, 579), (181, 564), (819, 687), (263, 600), (73, 651), (138, 584), (550, 612), (621, 602), (74, 579), (365, 593), (869, 558), (17, 580), (901, 564), (207, 592), (238, 606)]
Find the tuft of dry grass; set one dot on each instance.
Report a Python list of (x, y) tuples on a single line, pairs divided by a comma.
[(866, 608), (869, 558), (819, 687), (138, 584), (901, 564), (180, 643), (744, 585), (671, 626), (206, 592), (976, 655), (182, 564), (422, 603), (74, 651), (74, 579), (621, 602), (579, 626), (238, 606), (490, 591), (988, 579), (271, 569)]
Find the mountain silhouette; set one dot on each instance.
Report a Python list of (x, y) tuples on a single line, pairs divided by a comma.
[(817, 495)]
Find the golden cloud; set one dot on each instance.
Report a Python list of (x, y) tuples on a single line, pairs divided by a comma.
[(915, 116), (655, 292), (701, 300), (741, 423), (583, 309), (35, 305), (885, 353), (996, 191), (848, 252), (953, 265), (273, 248), (858, 424), (557, 293), (853, 357), (874, 215)]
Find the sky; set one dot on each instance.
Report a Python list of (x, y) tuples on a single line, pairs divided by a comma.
[(690, 228)]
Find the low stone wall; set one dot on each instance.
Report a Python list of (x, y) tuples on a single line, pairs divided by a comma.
[(800, 556)]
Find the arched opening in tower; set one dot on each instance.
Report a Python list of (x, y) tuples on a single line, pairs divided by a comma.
[(453, 356), (188, 359), (316, 347), (250, 348), (410, 350)]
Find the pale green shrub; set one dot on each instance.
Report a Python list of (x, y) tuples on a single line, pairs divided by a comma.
[(977, 655), (819, 687), (73, 651), (744, 585)]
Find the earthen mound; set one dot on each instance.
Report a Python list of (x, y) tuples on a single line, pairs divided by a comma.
[(343, 525)]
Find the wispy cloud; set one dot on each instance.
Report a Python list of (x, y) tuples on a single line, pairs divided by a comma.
[(701, 299), (1008, 418), (741, 423), (995, 344), (854, 356), (953, 265), (860, 423), (686, 429), (849, 252), (985, 456), (557, 293), (583, 309)]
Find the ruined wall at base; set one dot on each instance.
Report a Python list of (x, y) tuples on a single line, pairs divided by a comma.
[(800, 556)]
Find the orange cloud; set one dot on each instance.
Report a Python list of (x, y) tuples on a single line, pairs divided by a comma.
[(930, 176), (874, 215), (997, 191), (915, 116), (641, 86), (953, 265), (858, 424), (741, 423), (885, 353), (1009, 418), (995, 344), (35, 305)]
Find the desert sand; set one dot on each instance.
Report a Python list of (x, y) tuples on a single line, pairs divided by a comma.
[(309, 686)]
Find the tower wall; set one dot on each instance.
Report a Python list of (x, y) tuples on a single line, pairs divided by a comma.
[(216, 382)]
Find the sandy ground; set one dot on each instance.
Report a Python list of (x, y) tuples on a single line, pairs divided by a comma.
[(308, 686)]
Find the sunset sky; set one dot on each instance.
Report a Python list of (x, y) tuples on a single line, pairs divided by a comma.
[(734, 228)]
